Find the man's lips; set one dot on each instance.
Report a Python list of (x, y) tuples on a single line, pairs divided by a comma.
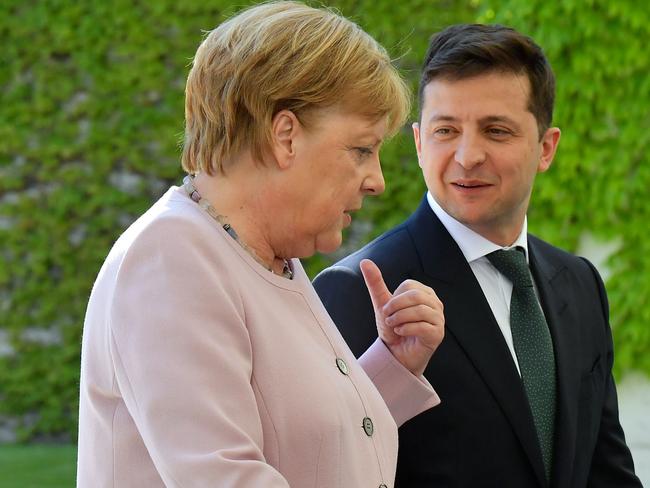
[(470, 184)]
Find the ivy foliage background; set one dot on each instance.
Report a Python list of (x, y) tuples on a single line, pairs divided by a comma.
[(91, 115)]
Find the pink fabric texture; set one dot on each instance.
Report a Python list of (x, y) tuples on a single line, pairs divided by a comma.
[(200, 368)]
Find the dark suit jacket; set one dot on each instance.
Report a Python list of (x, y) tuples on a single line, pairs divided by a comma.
[(482, 434)]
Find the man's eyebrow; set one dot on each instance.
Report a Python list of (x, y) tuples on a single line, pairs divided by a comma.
[(442, 118), (490, 119)]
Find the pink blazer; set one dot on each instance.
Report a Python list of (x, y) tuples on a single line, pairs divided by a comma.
[(201, 368)]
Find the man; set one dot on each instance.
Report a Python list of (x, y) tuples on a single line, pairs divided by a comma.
[(524, 371)]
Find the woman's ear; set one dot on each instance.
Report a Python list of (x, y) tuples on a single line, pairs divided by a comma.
[(285, 127)]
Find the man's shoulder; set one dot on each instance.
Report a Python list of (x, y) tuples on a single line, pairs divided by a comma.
[(394, 252), (341, 286), (558, 257), (388, 249), (546, 248)]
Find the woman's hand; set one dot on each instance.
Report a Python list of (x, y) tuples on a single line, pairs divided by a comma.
[(410, 321)]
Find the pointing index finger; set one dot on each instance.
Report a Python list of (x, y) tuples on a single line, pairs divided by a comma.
[(379, 293)]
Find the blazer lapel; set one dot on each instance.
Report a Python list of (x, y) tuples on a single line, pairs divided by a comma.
[(551, 281), (469, 319)]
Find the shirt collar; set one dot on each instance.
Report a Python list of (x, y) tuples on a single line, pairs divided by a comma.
[(473, 245)]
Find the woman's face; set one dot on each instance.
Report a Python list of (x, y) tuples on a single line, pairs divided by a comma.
[(336, 164)]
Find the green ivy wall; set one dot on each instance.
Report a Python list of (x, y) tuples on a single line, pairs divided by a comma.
[(91, 115)]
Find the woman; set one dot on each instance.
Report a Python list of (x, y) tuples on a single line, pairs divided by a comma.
[(208, 359)]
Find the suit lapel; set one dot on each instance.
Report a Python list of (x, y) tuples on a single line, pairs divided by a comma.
[(551, 281), (469, 319)]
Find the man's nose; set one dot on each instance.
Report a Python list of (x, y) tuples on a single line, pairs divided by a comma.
[(469, 151)]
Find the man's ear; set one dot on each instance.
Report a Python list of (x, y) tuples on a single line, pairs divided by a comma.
[(549, 143), (285, 127), (418, 143)]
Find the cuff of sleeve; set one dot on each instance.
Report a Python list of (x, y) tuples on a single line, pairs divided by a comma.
[(405, 394)]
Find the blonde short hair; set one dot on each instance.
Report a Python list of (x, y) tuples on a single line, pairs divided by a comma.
[(276, 56)]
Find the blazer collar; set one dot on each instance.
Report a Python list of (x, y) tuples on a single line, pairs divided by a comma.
[(469, 319), (472, 244), (554, 286), (439, 254)]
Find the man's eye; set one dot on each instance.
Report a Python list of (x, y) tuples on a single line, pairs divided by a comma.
[(497, 131), (444, 132)]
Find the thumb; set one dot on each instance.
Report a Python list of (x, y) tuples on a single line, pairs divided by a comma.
[(379, 293)]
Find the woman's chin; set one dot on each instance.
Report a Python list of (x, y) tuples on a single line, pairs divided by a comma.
[(330, 243)]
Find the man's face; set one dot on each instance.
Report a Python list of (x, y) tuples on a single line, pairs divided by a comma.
[(479, 149)]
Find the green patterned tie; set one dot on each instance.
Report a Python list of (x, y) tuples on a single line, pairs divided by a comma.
[(533, 346)]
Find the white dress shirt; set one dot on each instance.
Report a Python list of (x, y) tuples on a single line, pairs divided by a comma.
[(496, 287)]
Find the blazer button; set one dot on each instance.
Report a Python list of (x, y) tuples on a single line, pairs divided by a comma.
[(367, 426), (343, 368), (383, 486)]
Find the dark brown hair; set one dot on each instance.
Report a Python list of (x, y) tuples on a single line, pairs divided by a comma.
[(467, 50)]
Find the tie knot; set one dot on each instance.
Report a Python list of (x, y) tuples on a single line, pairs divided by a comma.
[(512, 264)]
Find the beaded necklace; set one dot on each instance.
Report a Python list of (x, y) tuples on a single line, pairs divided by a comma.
[(192, 192)]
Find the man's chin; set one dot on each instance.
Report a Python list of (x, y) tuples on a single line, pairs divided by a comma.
[(470, 217)]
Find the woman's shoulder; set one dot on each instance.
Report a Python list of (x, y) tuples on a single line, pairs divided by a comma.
[(173, 237), (172, 224), (173, 218)]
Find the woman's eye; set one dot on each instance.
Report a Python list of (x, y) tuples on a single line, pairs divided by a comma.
[(363, 151)]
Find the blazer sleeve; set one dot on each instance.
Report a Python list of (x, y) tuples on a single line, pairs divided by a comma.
[(612, 463), (183, 364), (405, 394), (347, 300)]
